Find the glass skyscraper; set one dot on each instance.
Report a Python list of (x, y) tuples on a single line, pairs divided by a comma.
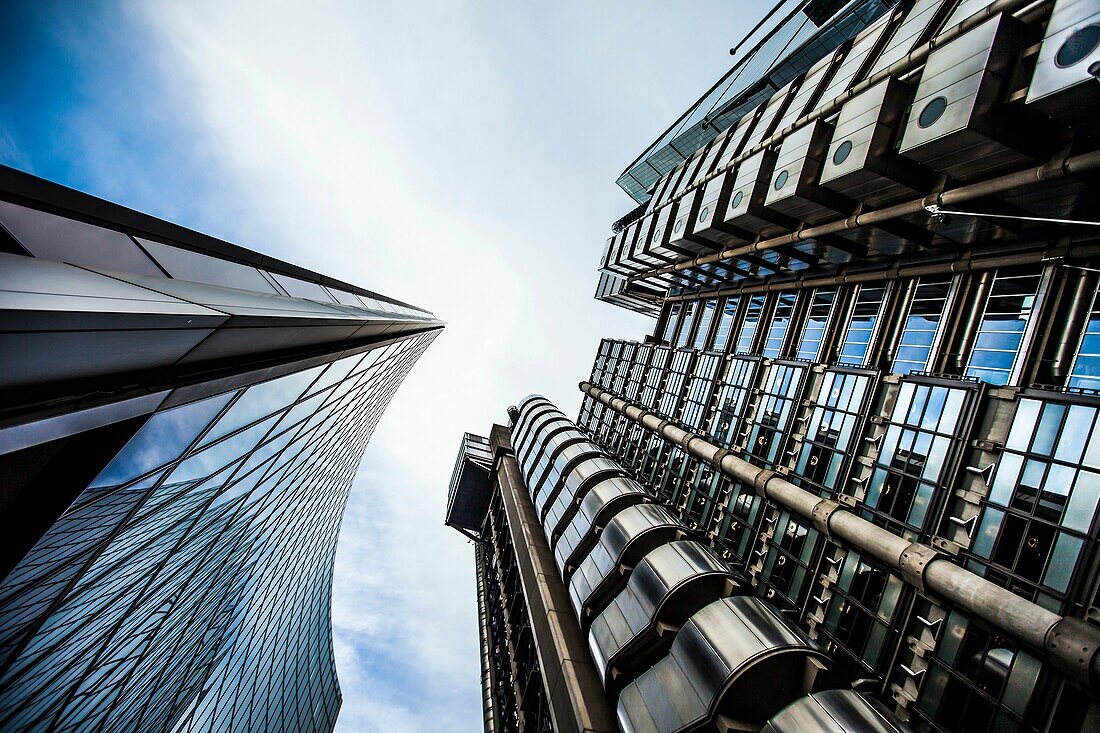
[(849, 482), (180, 423)]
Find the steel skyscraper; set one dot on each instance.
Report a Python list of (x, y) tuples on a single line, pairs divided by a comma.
[(180, 423), (850, 480)]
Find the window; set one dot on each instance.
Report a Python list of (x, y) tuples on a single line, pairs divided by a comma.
[(706, 317), (861, 329), (817, 321), (725, 323), (670, 324), (1007, 314), (1085, 373), (1042, 501), (832, 429), (674, 385), (976, 680), (733, 393), (860, 614), (790, 551), (921, 443), (686, 323), (921, 324), (774, 410), (698, 393), (753, 311), (781, 321)]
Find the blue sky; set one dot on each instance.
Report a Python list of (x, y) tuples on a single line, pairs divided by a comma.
[(460, 156)]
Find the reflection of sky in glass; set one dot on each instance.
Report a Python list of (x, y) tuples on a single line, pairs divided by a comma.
[(161, 439), (261, 400), (212, 458)]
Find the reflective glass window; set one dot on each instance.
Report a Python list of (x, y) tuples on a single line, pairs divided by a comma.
[(977, 680), (921, 324), (831, 431), (922, 441), (706, 317), (1004, 321), (753, 310), (670, 324), (780, 322), (683, 338), (1043, 495), (1085, 373), (861, 613), (861, 328), (817, 321), (725, 323)]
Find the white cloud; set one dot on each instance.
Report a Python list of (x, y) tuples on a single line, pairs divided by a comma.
[(460, 157)]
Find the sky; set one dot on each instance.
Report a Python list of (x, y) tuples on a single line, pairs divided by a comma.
[(460, 156)]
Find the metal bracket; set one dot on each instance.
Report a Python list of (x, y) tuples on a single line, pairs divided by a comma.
[(822, 512), (973, 522), (914, 559), (985, 472)]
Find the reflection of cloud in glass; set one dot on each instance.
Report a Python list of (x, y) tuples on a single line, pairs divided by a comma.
[(217, 456), (161, 440), (261, 400)]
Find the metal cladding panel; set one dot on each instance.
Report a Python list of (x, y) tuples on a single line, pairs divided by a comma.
[(631, 534), (607, 498), (950, 125), (736, 657), (691, 172), (860, 162), (683, 228), (850, 70), (657, 245), (917, 26), (714, 201), (794, 185), (750, 187), (637, 255), (809, 91), (771, 114), (715, 151), (737, 137), (669, 585), (1071, 46), (834, 711)]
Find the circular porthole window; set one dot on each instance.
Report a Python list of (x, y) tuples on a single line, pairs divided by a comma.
[(1078, 46), (704, 213), (678, 227), (932, 112), (781, 179), (737, 199), (657, 236), (842, 152)]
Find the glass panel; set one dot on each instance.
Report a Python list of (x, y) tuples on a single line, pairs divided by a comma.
[(921, 323), (725, 325), (781, 320), (161, 440), (865, 316), (753, 310), (817, 320), (1007, 313), (705, 319), (1085, 373)]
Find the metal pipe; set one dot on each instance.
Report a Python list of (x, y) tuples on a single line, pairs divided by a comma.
[(1053, 170), (1074, 323), (1070, 644)]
